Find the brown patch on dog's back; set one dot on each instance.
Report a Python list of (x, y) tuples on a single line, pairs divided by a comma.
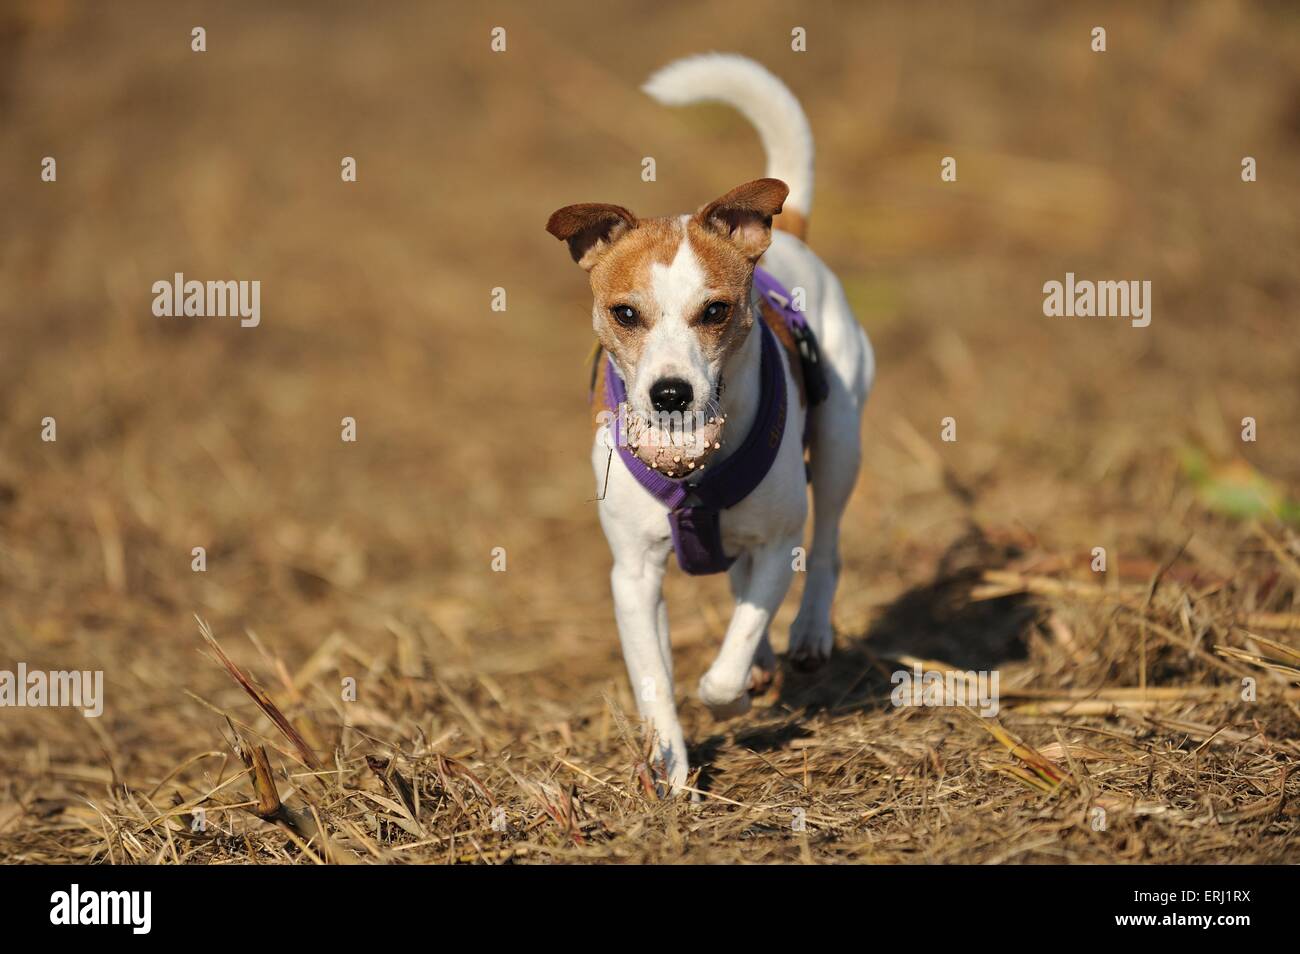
[(796, 223), (776, 321)]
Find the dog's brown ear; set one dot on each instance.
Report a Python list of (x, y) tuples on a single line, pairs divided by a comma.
[(744, 214), (590, 229)]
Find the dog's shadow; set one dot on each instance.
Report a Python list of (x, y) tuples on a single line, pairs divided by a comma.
[(936, 620)]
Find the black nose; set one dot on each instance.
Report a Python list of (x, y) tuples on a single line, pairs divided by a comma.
[(671, 394)]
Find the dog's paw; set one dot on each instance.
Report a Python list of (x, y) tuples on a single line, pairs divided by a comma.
[(666, 791), (668, 775), (763, 672), (810, 645), (724, 703)]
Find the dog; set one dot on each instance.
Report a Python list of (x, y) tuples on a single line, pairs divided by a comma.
[(687, 309)]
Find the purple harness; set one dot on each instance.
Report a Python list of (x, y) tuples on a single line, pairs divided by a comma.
[(694, 510)]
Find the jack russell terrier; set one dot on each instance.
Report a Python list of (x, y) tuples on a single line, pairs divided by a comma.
[(716, 382)]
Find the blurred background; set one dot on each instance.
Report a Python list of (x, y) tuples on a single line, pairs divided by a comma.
[(472, 424)]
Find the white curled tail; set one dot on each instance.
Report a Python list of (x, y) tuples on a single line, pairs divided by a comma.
[(758, 96)]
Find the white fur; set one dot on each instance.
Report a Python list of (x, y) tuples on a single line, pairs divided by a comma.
[(758, 96), (764, 528), (679, 290)]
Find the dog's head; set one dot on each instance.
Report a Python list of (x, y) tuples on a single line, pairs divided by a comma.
[(672, 295)]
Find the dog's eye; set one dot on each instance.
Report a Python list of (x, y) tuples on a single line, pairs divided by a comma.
[(714, 313), (625, 315)]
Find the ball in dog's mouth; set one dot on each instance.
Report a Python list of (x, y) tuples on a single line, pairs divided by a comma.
[(676, 451)]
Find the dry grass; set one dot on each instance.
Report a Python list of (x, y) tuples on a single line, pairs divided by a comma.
[(490, 721)]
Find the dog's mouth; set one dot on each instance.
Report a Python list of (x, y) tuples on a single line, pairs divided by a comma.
[(679, 446)]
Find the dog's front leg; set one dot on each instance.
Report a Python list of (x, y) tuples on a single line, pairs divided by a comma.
[(637, 583), (725, 687)]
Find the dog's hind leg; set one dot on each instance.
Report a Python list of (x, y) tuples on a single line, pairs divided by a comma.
[(836, 454), (763, 668)]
